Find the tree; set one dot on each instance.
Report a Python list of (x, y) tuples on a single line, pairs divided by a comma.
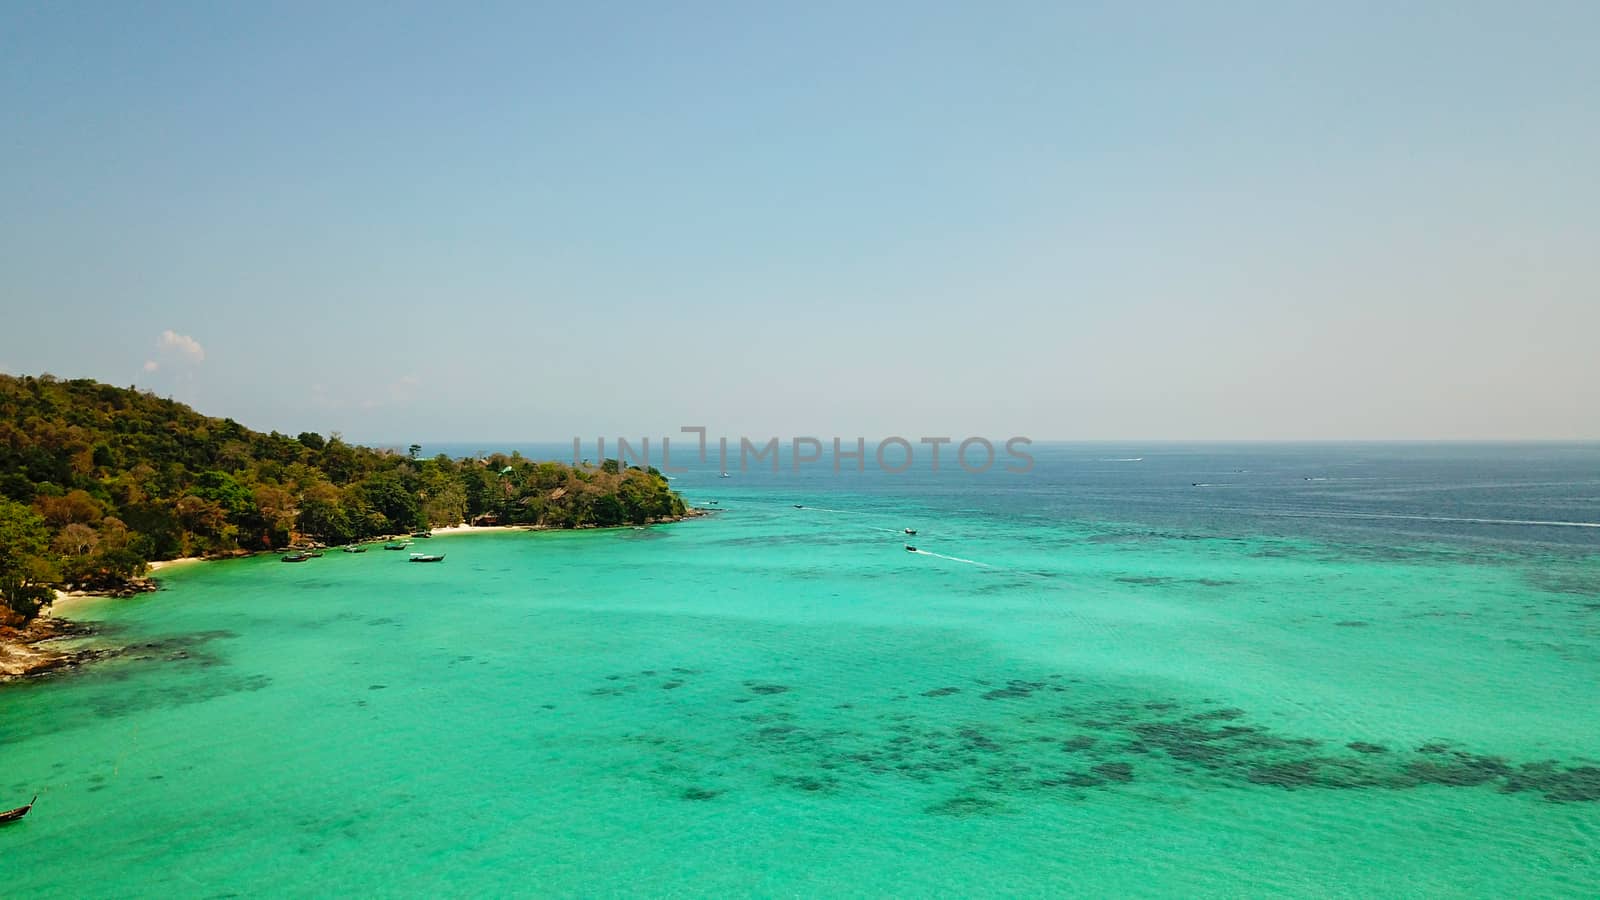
[(202, 516), (387, 494), (322, 514), (76, 540), (275, 515), (115, 477), (76, 506), (25, 573)]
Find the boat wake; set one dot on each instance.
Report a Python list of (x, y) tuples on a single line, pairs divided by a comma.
[(970, 562), (1124, 459), (850, 512)]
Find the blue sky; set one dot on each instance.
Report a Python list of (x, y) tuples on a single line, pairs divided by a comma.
[(1068, 221)]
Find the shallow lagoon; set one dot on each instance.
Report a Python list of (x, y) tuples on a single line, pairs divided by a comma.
[(1071, 689)]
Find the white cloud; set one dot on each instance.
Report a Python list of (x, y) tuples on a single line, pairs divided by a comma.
[(183, 345), (151, 365)]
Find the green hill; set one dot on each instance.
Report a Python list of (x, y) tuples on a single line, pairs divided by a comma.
[(96, 480)]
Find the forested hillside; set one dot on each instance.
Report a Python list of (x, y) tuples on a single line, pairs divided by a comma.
[(97, 480)]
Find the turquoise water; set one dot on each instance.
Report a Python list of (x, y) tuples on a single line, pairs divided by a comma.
[(1096, 679)]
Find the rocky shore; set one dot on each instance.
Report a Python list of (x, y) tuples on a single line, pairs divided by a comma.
[(39, 648)]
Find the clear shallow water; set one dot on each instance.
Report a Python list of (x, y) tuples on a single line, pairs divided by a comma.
[(1097, 678)]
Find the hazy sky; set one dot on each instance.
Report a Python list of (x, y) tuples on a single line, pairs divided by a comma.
[(1060, 220)]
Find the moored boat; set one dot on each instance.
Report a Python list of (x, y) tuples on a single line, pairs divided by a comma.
[(11, 815), (427, 557), (297, 557), (354, 548), (396, 545)]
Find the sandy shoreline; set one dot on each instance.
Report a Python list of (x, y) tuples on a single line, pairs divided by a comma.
[(23, 655), (468, 529), (65, 600), (160, 564)]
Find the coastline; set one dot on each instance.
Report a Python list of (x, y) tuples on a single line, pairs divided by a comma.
[(29, 652), (160, 564)]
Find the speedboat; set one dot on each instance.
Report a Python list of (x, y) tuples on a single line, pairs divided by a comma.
[(910, 549), (724, 475), (911, 531)]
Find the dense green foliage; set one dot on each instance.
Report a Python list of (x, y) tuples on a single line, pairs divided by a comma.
[(25, 571), (96, 480)]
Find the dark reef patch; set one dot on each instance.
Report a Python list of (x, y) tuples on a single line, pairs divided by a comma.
[(979, 751), (1015, 690), (966, 805), (1073, 779), (1573, 785), (1168, 581), (1459, 770), (810, 784), (1114, 771), (1227, 713)]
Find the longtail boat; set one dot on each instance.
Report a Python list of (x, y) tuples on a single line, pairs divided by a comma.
[(11, 815)]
